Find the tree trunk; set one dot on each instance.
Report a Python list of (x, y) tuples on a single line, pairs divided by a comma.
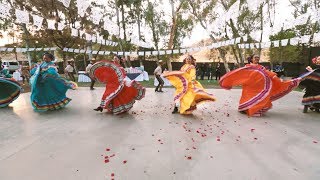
[(172, 31), (25, 30), (123, 22), (139, 33)]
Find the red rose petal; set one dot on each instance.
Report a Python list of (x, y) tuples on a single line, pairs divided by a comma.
[(189, 157), (255, 138), (107, 149), (106, 160), (315, 142), (252, 129), (124, 161), (112, 174)]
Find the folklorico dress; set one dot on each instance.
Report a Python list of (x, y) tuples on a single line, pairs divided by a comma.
[(119, 95), (312, 85), (259, 88), (10, 89), (48, 88), (189, 92)]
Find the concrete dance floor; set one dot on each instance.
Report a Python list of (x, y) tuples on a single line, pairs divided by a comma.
[(148, 142)]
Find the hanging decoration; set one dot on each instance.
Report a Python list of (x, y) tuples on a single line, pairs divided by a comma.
[(61, 26), (66, 3), (22, 16), (51, 24), (4, 10), (82, 6), (37, 21)]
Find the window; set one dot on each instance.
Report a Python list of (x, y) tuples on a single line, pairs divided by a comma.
[(13, 63)]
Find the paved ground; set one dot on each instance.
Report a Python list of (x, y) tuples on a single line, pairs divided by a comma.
[(150, 143)]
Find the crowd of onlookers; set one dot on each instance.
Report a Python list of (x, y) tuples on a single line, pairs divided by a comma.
[(208, 70)]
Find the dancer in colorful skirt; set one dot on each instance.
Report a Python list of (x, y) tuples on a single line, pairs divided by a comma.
[(48, 89), (10, 89), (311, 98), (119, 95), (189, 92), (259, 87)]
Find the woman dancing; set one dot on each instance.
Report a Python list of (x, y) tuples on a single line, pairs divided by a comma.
[(259, 87), (311, 98), (189, 92), (119, 95), (48, 89), (10, 89)]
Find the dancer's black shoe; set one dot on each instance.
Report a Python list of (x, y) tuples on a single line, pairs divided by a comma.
[(175, 110), (305, 109), (98, 109)]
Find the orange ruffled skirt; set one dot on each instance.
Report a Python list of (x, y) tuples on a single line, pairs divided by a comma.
[(259, 88)]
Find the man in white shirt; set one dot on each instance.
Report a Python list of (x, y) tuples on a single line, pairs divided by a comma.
[(157, 73), (69, 69), (87, 73)]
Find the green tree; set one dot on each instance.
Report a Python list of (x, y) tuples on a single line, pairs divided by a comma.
[(287, 53)]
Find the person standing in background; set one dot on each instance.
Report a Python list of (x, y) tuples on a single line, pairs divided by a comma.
[(25, 73), (218, 72), (88, 71), (69, 69), (157, 74)]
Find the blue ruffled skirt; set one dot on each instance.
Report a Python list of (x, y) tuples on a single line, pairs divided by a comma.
[(48, 90)]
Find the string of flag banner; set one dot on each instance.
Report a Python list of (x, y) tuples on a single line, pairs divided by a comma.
[(236, 41)]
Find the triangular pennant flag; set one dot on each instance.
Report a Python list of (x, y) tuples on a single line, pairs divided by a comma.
[(22, 16), (88, 37), (238, 39), (61, 26), (245, 38), (284, 42), (316, 37), (51, 24), (275, 43), (66, 3), (305, 38), (4, 10), (267, 44), (37, 21), (294, 41), (74, 32), (10, 49), (82, 7)]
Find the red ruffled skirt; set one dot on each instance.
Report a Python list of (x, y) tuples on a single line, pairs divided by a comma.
[(119, 95)]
